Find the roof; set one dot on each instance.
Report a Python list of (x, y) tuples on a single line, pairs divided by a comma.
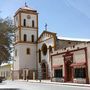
[(74, 39), (25, 8), (52, 33)]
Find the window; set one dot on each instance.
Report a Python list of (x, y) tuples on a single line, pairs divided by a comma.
[(39, 56), (58, 73), (79, 73), (24, 22), (28, 50), (15, 52), (25, 37), (69, 42), (32, 38), (44, 49), (32, 23), (73, 46), (50, 49)]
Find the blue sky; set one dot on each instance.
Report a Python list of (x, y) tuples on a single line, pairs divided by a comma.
[(68, 18)]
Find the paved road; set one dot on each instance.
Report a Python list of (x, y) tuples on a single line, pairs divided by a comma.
[(23, 85)]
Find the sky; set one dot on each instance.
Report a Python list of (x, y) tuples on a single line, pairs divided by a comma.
[(67, 18)]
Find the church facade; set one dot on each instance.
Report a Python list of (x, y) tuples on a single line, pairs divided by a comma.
[(47, 56)]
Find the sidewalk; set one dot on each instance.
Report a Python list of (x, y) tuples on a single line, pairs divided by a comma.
[(57, 83)]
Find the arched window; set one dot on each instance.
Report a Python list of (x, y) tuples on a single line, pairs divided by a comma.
[(24, 22), (28, 50), (39, 56), (50, 49), (32, 38), (25, 37), (32, 23), (44, 49)]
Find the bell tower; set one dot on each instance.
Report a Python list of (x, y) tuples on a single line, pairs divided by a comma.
[(26, 35)]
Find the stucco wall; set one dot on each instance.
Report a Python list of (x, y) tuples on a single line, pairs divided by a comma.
[(16, 58), (29, 32), (58, 61), (29, 21), (27, 61), (5, 71), (17, 35), (16, 20), (88, 54), (79, 56), (22, 59)]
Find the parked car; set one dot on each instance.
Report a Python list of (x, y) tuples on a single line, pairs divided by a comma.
[(2, 79)]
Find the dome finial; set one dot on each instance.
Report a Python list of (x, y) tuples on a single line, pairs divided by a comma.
[(26, 4)]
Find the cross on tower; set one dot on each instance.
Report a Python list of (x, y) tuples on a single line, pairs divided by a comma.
[(46, 26), (26, 4)]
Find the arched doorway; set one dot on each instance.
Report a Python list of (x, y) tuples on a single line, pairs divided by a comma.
[(44, 71)]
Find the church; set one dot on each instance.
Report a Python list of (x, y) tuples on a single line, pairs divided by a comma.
[(47, 56)]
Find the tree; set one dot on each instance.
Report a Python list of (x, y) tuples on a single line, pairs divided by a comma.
[(6, 39)]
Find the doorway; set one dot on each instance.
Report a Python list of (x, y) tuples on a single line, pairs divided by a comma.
[(24, 74), (68, 60), (44, 71), (68, 71)]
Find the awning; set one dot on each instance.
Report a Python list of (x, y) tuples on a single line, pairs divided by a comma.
[(78, 64), (57, 66)]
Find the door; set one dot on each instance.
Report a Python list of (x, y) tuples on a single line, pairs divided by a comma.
[(44, 73), (68, 60), (68, 71)]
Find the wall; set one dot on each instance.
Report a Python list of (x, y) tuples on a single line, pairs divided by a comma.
[(29, 21), (88, 55), (29, 32), (79, 56), (58, 60), (5, 71), (27, 61)]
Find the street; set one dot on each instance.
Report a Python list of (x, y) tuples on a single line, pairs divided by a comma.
[(24, 85)]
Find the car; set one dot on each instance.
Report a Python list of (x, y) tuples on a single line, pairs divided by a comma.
[(0, 80)]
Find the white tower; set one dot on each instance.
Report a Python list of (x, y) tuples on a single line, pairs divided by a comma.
[(26, 21)]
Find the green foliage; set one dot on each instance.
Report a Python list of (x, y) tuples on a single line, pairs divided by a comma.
[(6, 39)]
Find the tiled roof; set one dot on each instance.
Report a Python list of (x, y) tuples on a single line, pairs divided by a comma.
[(73, 39)]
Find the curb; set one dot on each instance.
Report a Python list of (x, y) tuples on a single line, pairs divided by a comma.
[(58, 83)]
